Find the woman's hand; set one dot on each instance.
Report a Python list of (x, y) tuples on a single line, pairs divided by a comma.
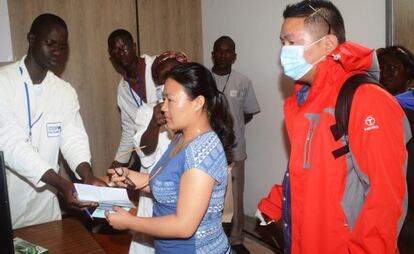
[(120, 219), (117, 176)]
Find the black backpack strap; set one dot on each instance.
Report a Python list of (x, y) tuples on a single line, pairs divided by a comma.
[(343, 108)]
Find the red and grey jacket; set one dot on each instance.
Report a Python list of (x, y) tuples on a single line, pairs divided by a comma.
[(349, 204)]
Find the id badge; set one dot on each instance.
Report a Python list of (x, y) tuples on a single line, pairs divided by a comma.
[(53, 129), (159, 92), (29, 141), (233, 93)]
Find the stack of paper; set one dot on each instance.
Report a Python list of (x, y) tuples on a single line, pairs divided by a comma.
[(106, 197)]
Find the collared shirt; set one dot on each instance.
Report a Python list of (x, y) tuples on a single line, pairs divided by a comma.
[(242, 100), (127, 103)]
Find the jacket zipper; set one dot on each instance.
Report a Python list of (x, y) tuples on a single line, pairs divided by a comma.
[(313, 123)]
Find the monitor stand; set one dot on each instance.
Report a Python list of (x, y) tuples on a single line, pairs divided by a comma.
[(6, 231)]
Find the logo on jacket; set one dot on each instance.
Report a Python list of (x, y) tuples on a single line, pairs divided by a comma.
[(370, 123)]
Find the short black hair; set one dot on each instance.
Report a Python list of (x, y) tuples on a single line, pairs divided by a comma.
[(44, 21), (318, 13), (120, 33), (225, 39)]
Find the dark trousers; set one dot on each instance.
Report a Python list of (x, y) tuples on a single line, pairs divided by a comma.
[(406, 237)]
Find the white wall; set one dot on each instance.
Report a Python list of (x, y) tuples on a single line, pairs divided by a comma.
[(255, 27), (6, 52)]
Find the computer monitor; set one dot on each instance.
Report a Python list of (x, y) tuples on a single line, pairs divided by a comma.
[(6, 231)]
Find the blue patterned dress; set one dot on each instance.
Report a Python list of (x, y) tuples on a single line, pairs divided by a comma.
[(205, 153)]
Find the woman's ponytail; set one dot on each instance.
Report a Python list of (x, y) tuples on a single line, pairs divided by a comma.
[(221, 120)]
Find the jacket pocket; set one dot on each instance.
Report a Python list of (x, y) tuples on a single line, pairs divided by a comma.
[(313, 123)]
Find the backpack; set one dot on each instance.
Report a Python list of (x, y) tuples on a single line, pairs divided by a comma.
[(343, 108), (357, 181)]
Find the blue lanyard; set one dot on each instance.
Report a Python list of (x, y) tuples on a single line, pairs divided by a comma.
[(139, 100), (29, 114), (139, 103)]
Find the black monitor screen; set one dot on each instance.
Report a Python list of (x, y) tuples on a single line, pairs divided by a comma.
[(6, 232)]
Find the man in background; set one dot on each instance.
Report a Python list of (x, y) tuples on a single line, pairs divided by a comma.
[(239, 92), (143, 123), (135, 89)]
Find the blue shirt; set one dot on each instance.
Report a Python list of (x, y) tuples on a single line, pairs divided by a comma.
[(204, 153), (406, 99)]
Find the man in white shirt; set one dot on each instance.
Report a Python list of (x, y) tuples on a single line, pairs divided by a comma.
[(136, 89), (239, 92), (39, 116), (143, 123), (136, 99)]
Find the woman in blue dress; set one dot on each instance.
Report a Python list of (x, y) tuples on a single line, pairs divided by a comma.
[(189, 181)]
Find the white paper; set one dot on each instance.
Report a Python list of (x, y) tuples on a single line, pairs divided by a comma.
[(105, 196), (100, 212)]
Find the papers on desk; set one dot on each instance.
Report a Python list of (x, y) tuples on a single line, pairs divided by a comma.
[(23, 247), (106, 197)]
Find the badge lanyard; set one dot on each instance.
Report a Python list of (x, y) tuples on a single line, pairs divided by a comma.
[(29, 113), (138, 100)]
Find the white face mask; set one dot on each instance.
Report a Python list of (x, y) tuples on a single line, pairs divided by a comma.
[(293, 62)]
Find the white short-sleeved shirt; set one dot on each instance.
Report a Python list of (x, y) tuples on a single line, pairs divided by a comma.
[(242, 99)]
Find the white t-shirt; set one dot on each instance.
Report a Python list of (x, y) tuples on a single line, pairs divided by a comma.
[(239, 92)]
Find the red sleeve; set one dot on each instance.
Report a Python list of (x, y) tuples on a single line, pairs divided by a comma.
[(376, 138), (272, 205)]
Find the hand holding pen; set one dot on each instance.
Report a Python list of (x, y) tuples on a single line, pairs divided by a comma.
[(119, 176)]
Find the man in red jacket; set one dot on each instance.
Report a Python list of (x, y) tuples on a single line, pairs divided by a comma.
[(347, 204)]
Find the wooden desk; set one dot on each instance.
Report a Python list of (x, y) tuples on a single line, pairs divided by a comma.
[(70, 235), (63, 236), (114, 243)]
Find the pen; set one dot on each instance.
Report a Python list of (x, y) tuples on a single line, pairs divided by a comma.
[(74, 192), (120, 154), (88, 213)]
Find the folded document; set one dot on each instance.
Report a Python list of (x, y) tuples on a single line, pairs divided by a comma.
[(106, 197)]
